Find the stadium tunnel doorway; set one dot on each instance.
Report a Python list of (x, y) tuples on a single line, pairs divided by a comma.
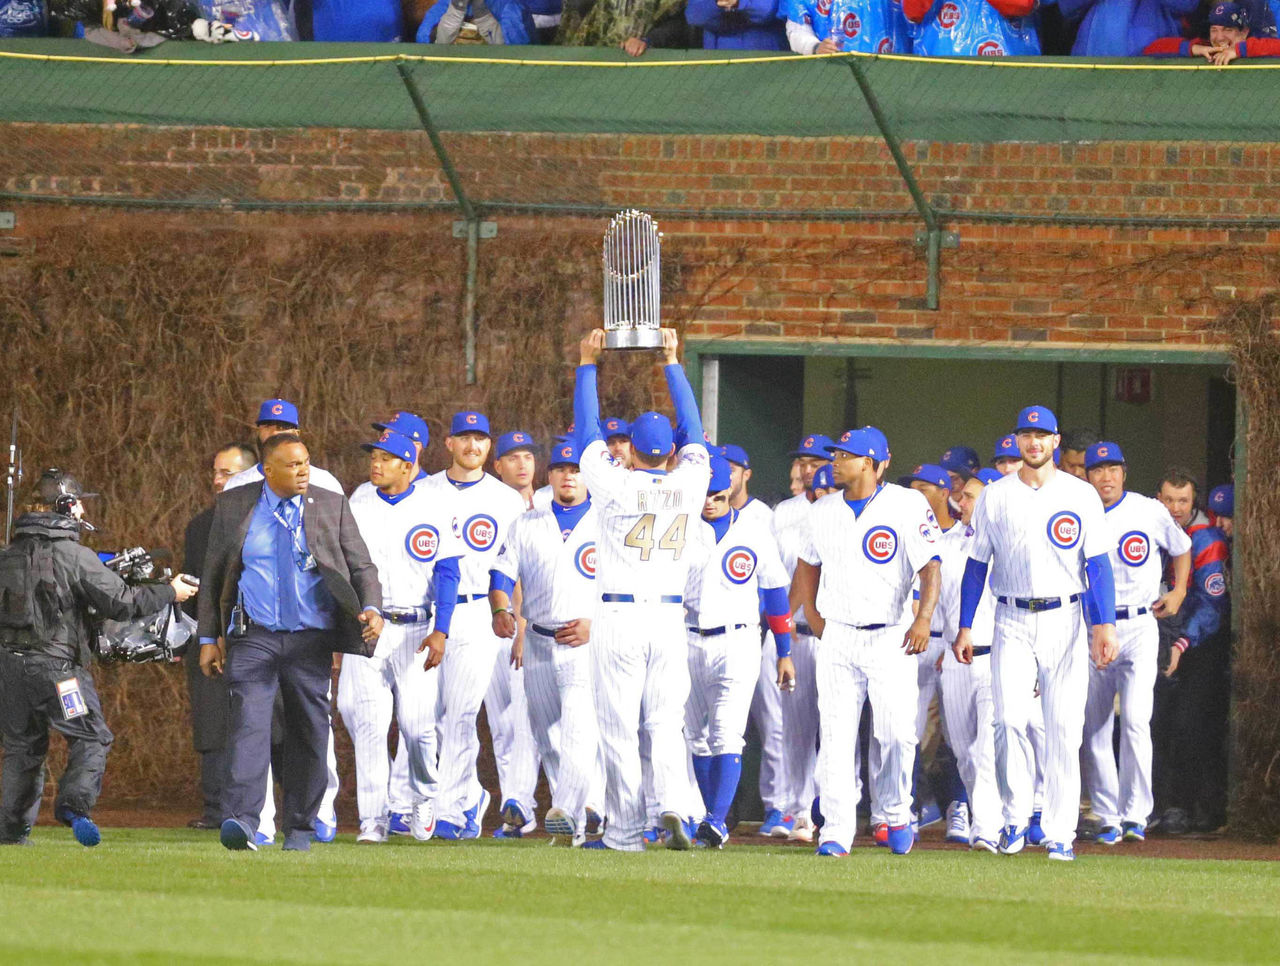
[(1164, 407)]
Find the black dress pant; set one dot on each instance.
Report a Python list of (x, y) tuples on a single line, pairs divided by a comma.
[(1189, 734), (296, 666), (29, 706)]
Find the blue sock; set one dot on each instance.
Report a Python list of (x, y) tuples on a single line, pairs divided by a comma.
[(725, 772), (702, 765)]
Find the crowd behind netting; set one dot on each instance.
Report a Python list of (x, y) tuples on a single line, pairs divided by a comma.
[(1207, 32)]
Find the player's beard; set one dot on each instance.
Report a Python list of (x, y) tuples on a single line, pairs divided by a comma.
[(1038, 461)]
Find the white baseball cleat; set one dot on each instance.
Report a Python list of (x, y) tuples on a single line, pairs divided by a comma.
[(423, 820), (802, 831), (372, 832), (560, 826), (958, 822)]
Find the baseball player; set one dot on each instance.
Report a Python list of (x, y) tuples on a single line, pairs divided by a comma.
[(648, 516), (723, 609), (281, 416), (1139, 527), (552, 553), (800, 707), (967, 710), (515, 464), (960, 463), (1044, 536), (1007, 458), (411, 540), (617, 436), (484, 509), (866, 544)]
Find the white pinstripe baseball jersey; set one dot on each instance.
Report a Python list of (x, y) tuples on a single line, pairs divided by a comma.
[(321, 478), (869, 561), (723, 591), (646, 520), (1138, 525), (1038, 539), (791, 527), (483, 513), (556, 572), (542, 497), (953, 549), (757, 510), (405, 539)]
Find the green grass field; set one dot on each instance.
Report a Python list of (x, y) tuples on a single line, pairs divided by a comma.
[(164, 896)]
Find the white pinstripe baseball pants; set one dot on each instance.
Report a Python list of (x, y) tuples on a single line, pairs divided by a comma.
[(514, 749), (640, 668), (766, 710), (1126, 796), (855, 666), (557, 682), (369, 690), (1049, 647), (800, 728), (968, 717), (723, 673)]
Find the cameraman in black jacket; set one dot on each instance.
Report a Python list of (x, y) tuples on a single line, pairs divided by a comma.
[(48, 584)]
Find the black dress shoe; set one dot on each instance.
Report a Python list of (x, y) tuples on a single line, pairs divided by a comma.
[(298, 840), (204, 824)]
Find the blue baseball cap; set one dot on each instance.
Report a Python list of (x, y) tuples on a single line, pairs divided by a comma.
[(613, 426), (1229, 15), (824, 478), (960, 459), (933, 474), (469, 421), (1006, 449), (736, 454), (564, 453), (278, 411), (651, 434), (721, 477), (1037, 418), (510, 442), (398, 445), (1103, 454), (859, 442), (988, 476), (814, 444), (880, 439), (408, 424), (1222, 500)]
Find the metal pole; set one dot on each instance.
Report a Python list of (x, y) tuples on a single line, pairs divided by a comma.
[(926, 211), (469, 213)]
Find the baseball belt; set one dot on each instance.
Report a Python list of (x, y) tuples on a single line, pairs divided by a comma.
[(1127, 613), (468, 598), (980, 651), (631, 599), (935, 633), (406, 615), (804, 629), (544, 631), (716, 631), (1037, 604)]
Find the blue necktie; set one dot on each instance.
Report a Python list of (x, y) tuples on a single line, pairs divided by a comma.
[(286, 585)]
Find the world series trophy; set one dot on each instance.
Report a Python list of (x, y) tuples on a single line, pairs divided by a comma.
[(632, 282)]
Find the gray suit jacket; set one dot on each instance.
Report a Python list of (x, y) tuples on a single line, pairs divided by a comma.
[(332, 538)]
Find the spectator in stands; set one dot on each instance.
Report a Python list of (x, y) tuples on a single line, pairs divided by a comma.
[(1228, 39), (365, 21), (840, 26), (737, 24), (23, 18), (1122, 28), (1262, 18), (495, 21), (546, 15), (633, 25), (947, 28)]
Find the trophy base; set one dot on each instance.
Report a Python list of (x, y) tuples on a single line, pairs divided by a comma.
[(633, 339)]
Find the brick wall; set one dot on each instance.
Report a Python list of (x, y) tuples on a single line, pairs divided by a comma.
[(807, 279)]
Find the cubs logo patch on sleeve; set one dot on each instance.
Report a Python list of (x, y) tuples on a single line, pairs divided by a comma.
[(422, 542), (739, 564), (1064, 530), (880, 544)]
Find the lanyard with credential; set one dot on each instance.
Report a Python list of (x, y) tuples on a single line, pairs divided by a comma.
[(305, 561)]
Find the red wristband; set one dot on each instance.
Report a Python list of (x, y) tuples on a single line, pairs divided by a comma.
[(1182, 644)]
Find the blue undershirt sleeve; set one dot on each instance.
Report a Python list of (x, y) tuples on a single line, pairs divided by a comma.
[(500, 581), (444, 586), (1100, 598), (586, 407), (971, 587), (688, 419)]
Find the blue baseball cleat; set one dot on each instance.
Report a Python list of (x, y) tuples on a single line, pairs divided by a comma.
[(1107, 835), (596, 844), (930, 814), (507, 832), (324, 832), (901, 838), (832, 850), (237, 836), (654, 835), (776, 824), (259, 839), (1134, 831), (448, 831), (475, 817), (399, 824), (85, 831), (1035, 834), (815, 815), (1012, 839), (1060, 852), (712, 833), (594, 822)]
